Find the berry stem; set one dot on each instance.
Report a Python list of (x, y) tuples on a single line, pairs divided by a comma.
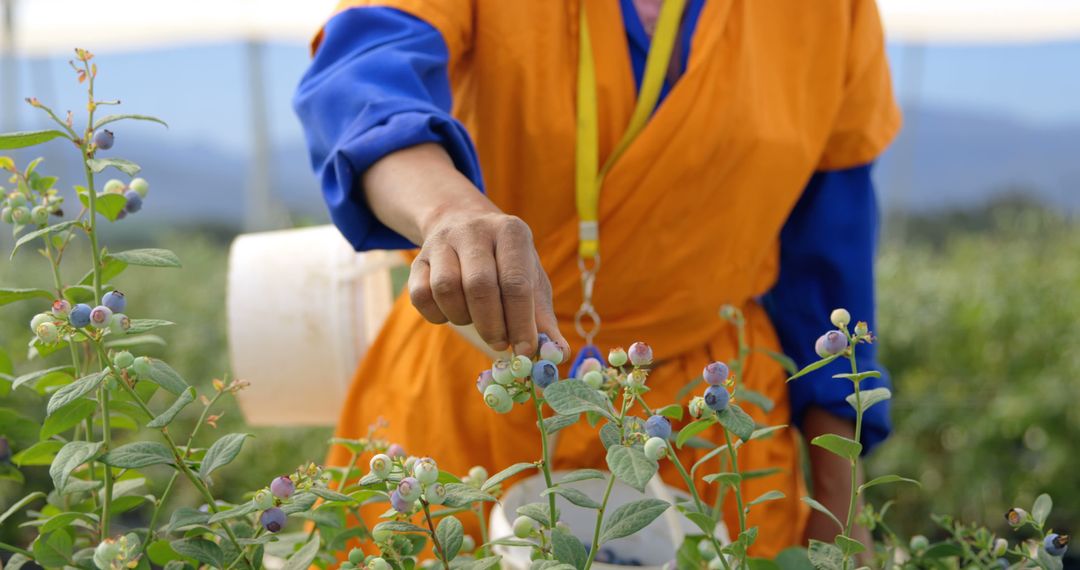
[(106, 437), (16, 550), (697, 498), (599, 522), (858, 433), (434, 537), (91, 194), (734, 456), (545, 464), (481, 550)]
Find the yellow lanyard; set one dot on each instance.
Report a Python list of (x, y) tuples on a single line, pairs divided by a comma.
[(589, 177)]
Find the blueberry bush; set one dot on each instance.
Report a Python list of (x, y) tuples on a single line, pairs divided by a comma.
[(109, 438)]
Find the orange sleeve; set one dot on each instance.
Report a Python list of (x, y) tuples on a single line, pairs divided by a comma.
[(453, 18), (868, 117)]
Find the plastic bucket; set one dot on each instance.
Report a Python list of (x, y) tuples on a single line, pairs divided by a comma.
[(651, 548)]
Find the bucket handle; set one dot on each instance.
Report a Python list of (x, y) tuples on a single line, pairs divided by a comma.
[(671, 517)]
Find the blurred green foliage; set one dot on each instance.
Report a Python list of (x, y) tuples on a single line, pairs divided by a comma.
[(979, 320)]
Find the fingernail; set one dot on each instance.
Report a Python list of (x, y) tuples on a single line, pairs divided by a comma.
[(523, 348)]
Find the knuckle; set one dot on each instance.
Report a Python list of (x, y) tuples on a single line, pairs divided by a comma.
[(444, 286), (515, 227), (515, 284), (481, 286)]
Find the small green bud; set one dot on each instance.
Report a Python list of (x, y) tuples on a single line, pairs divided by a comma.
[(840, 318), (524, 527)]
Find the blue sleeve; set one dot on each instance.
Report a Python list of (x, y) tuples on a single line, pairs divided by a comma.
[(827, 261), (378, 83)]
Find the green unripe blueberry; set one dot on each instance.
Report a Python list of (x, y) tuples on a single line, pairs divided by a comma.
[(521, 366), (39, 319), (39, 215), (524, 527), (500, 372), (840, 318), (382, 535), (617, 357), (919, 543), (593, 379), (478, 473), (381, 465), (114, 186), (425, 470), (468, 543), (47, 333), (435, 494), (107, 552), (716, 564), (5, 215), (697, 407), (655, 448), (521, 397), (140, 185), (120, 323), (379, 564), (263, 500), (16, 199), (706, 550), (123, 359), (20, 215), (1000, 546), (356, 556), (497, 398), (142, 366)]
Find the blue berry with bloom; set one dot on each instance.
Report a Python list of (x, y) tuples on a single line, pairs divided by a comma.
[(1056, 544), (409, 488), (399, 503), (134, 202), (272, 519), (282, 487), (658, 426), (104, 139), (115, 301), (831, 343), (716, 373), (484, 380), (395, 450), (640, 354), (100, 317), (545, 373), (80, 315), (717, 398)]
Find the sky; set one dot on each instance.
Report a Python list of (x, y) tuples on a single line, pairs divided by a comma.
[(203, 91)]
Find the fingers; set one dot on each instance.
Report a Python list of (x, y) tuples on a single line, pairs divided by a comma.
[(516, 261), (545, 314), (420, 291), (446, 285), (480, 281)]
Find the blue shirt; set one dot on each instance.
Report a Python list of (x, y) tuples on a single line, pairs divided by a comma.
[(379, 83)]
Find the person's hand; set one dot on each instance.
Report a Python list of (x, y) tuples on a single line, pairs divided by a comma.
[(831, 476), (477, 265)]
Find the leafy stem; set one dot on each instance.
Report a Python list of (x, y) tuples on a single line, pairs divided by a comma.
[(545, 465), (734, 456), (106, 437), (434, 536), (858, 432), (599, 522)]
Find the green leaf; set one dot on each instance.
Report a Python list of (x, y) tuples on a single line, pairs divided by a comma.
[(758, 473), (610, 435), (568, 549), (571, 397), (67, 417), (20, 504), (233, 513), (756, 398), (64, 520), (37, 374), (538, 512), (12, 295), (163, 375), (849, 546), (161, 552), (53, 550), (573, 495), (74, 391), (204, 551), (736, 421), (304, 557), (110, 268), (139, 326), (123, 165), (399, 526), (138, 454), (108, 205), (673, 411), (460, 495), (794, 558), (483, 563), (943, 550), (138, 340), (450, 534), (582, 475), (887, 479), (27, 238), (631, 517), (187, 517), (693, 428), (149, 257), (17, 561), (506, 474), (869, 398), (557, 423), (823, 510), (1041, 509), (630, 466), (857, 377), (330, 495), (41, 453), (124, 117), (769, 496), (825, 556), (725, 479), (812, 367), (840, 445), (766, 431), (166, 417), (23, 139), (221, 453), (70, 457)]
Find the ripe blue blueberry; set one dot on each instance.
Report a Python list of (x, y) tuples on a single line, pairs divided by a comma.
[(395, 450), (263, 500), (521, 366), (120, 323), (39, 215), (717, 398), (541, 340), (123, 359), (61, 308), (47, 333), (500, 372), (831, 343), (114, 300), (409, 488), (381, 465), (139, 185), (497, 398), (435, 494), (272, 519), (655, 448), (1056, 544), (551, 352), (593, 379), (658, 426), (39, 319), (425, 470), (100, 317), (103, 139), (484, 380), (617, 357), (80, 315), (640, 354), (696, 407), (545, 373), (524, 527), (282, 487), (134, 202), (716, 373), (113, 186)]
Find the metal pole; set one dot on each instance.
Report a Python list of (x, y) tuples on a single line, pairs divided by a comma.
[(260, 208), (9, 75)]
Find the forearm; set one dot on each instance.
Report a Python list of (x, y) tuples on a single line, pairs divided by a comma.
[(830, 474), (410, 189)]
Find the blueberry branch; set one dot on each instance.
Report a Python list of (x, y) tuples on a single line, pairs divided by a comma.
[(434, 538), (858, 432), (734, 455), (607, 491), (545, 464)]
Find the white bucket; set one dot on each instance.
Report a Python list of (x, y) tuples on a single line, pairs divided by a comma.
[(302, 308), (652, 547)]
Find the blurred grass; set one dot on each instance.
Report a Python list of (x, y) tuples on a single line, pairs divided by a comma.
[(979, 321)]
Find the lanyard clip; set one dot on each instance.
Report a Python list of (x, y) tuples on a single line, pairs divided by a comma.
[(587, 320)]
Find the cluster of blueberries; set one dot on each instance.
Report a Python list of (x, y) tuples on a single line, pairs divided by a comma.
[(134, 192), (108, 315), (21, 209), (420, 481)]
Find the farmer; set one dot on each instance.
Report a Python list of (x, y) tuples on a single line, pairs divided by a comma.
[(477, 130)]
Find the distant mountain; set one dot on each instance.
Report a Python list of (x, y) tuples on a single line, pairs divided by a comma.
[(958, 159)]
